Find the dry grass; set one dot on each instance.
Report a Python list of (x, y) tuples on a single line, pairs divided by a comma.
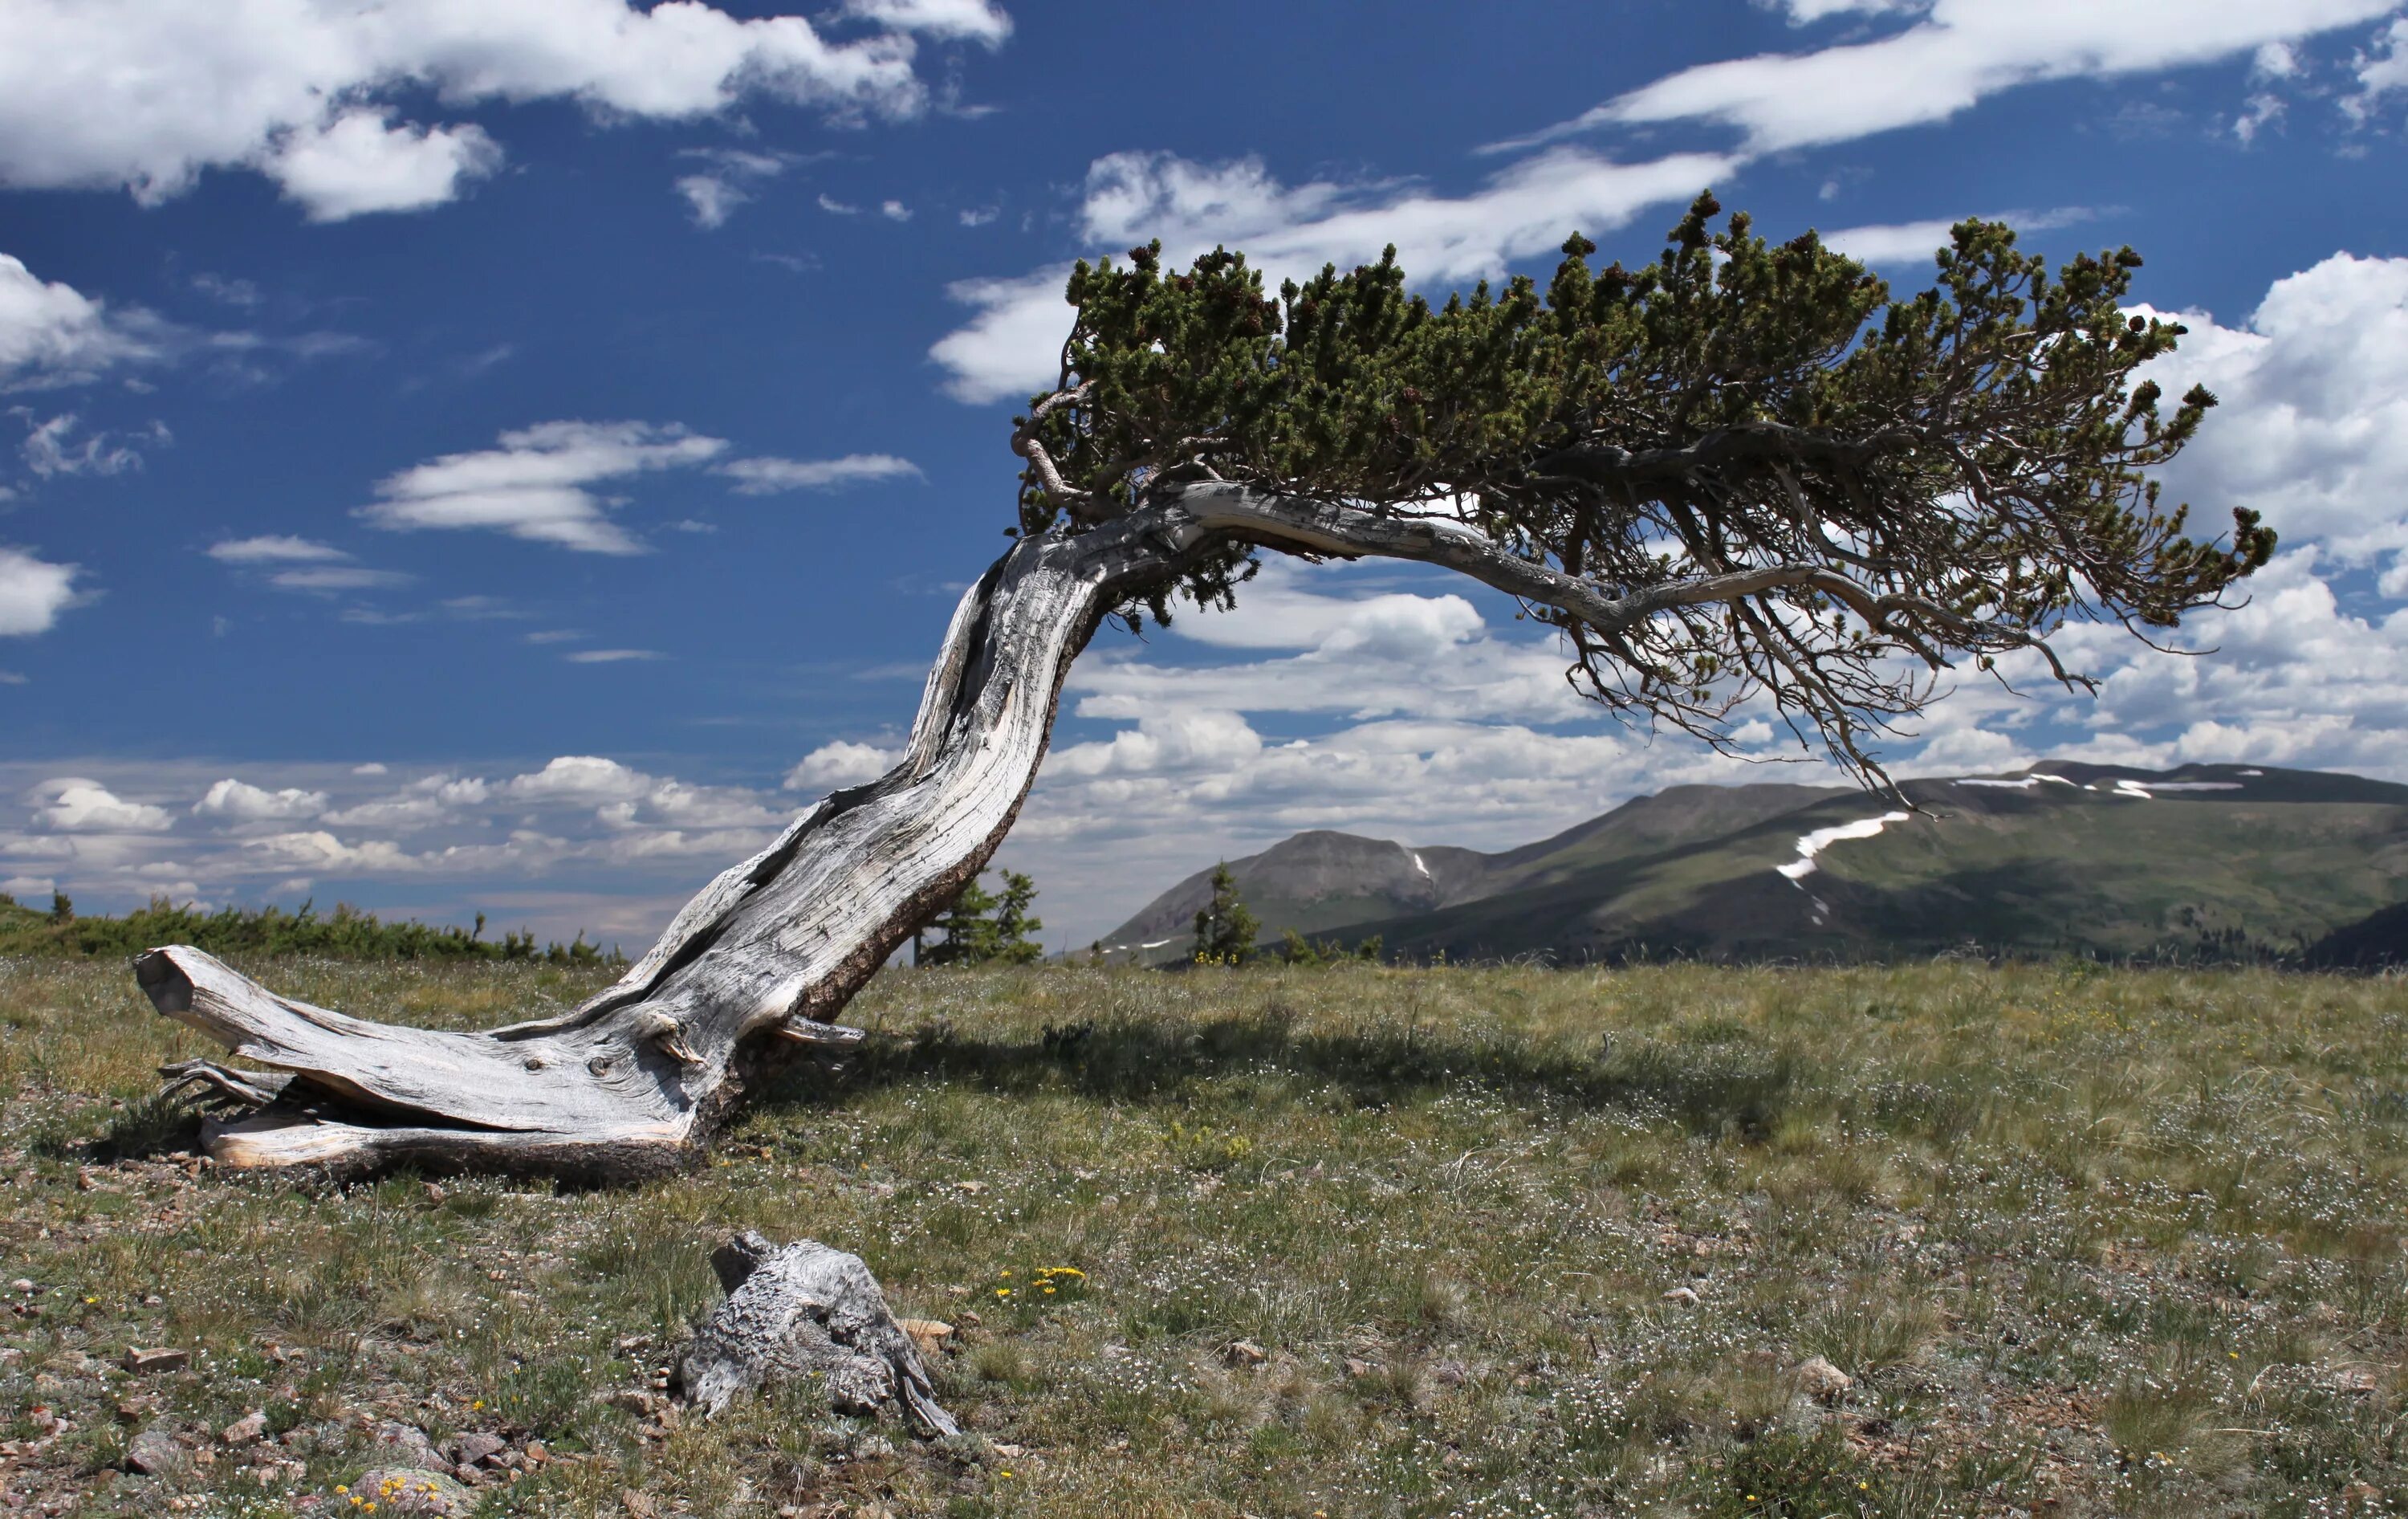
[(2121, 1243)]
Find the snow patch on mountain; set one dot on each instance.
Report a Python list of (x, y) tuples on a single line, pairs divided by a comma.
[(1815, 842)]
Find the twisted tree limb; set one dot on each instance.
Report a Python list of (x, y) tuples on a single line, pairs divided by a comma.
[(767, 954)]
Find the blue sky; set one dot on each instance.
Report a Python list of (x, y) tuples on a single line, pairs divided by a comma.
[(508, 455)]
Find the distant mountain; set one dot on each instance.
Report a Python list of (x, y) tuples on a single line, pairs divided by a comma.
[(2216, 861)]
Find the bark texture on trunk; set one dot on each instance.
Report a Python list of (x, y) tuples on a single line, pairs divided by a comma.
[(762, 960)]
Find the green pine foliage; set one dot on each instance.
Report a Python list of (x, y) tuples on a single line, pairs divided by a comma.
[(967, 925), (1225, 930), (346, 933), (1919, 480), (1321, 954), (982, 927)]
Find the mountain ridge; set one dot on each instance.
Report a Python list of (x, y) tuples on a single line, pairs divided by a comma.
[(2200, 861)]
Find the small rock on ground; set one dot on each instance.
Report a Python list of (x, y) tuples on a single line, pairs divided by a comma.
[(928, 1334), (154, 1452), (139, 1361), (1820, 1378), (404, 1444)]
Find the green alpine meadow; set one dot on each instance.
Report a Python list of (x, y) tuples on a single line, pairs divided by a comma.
[(1931, 1239)]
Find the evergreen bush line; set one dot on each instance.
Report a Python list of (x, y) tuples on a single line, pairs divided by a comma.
[(348, 933)]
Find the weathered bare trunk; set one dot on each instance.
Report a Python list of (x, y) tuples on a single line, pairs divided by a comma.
[(764, 957)]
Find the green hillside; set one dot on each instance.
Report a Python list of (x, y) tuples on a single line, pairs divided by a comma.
[(1320, 881), (2205, 862)]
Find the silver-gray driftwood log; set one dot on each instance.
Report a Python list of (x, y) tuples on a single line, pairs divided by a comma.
[(758, 963), (805, 1310)]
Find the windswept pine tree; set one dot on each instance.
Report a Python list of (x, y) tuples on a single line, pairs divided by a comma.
[(1745, 477), (982, 928), (1225, 928)]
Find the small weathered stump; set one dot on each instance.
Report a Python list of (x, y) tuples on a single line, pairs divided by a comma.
[(805, 1310)]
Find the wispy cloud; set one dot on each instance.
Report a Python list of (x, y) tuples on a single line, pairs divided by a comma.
[(50, 449), (724, 183), (964, 21), (768, 476), (328, 578), (243, 294), (275, 548), (1958, 54), (1914, 242), (534, 484), (612, 656)]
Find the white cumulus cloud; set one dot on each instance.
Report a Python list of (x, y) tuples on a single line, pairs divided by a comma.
[(2313, 428), (321, 852), (581, 778), (360, 161), (33, 593), (2381, 72), (238, 801), (841, 764), (52, 333), (423, 803), (72, 804), (148, 94)]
